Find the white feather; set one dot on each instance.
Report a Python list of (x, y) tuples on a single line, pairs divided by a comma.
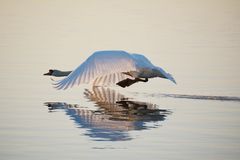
[(98, 67)]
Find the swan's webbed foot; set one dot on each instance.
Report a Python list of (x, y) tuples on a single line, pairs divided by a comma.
[(128, 82)]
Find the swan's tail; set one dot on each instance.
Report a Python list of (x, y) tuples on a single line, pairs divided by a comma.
[(166, 75), (170, 77)]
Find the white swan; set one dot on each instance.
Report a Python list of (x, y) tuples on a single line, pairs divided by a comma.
[(111, 67)]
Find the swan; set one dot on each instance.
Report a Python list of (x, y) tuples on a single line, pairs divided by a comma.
[(110, 67)]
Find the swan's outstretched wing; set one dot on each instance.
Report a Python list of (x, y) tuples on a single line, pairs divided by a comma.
[(102, 67)]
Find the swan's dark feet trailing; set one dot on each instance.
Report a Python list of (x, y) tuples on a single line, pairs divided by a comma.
[(128, 82)]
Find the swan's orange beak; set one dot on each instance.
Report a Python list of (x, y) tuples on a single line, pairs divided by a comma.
[(49, 73)]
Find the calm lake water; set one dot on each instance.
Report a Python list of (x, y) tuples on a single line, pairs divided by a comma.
[(196, 41)]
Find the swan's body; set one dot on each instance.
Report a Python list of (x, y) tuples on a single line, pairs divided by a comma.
[(111, 67)]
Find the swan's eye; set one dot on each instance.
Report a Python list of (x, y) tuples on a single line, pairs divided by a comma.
[(50, 71)]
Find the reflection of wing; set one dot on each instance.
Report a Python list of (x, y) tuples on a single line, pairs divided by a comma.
[(102, 95), (99, 125), (91, 117), (116, 114)]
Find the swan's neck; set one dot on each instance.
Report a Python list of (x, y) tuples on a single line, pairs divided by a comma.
[(58, 73)]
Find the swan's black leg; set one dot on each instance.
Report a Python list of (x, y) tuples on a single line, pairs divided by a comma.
[(142, 80)]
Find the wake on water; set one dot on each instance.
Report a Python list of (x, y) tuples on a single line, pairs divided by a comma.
[(199, 97), (202, 97)]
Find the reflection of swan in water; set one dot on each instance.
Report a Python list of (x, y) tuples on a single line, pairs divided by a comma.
[(115, 116)]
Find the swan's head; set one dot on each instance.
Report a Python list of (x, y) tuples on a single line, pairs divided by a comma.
[(49, 73), (159, 72)]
